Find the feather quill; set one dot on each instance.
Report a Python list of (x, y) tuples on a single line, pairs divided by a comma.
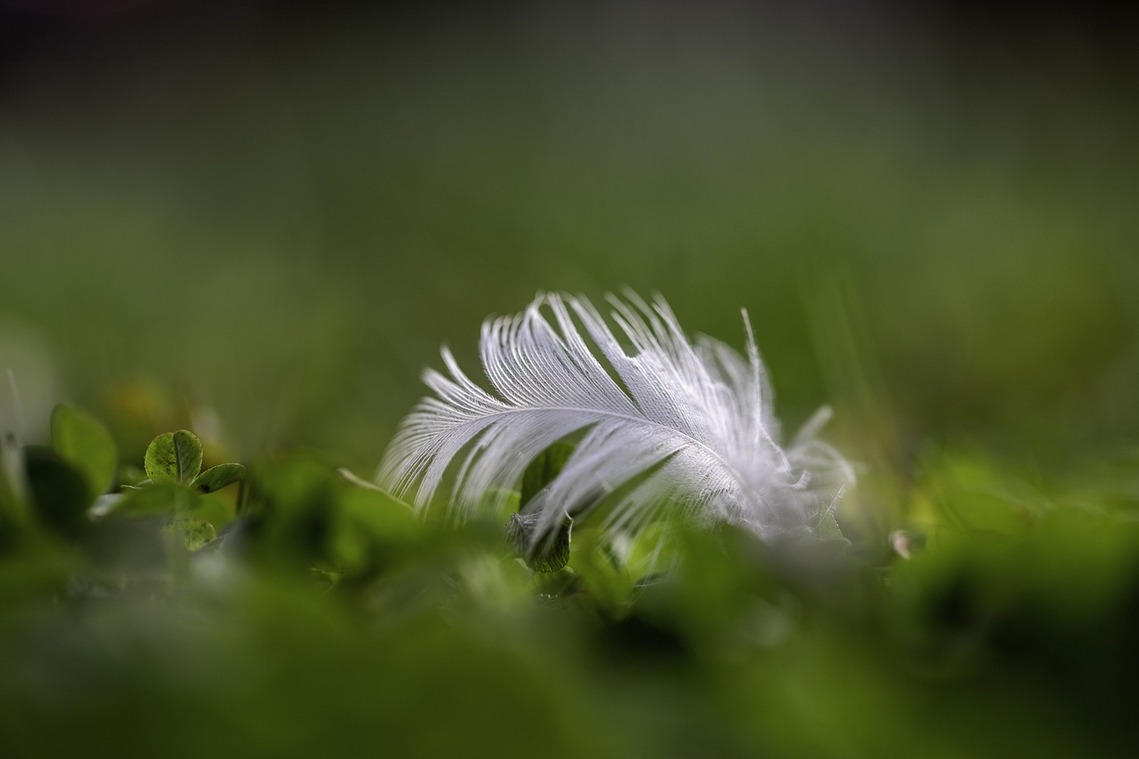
[(663, 423)]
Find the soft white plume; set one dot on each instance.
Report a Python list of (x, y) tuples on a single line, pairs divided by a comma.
[(667, 423)]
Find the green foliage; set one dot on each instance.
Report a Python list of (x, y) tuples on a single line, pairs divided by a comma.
[(174, 457), (547, 552), (217, 477), (84, 443), (542, 553), (313, 602), (543, 469), (59, 490)]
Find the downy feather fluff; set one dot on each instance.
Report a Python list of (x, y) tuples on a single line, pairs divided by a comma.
[(665, 423)]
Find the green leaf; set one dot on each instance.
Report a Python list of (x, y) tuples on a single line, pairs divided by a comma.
[(649, 551), (163, 498), (193, 533), (548, 553), (608, 584), (290, 517), (84, 443), (371, 528), (378, 513), (174, 457), (543, 469), (217, 477), (59, 491)]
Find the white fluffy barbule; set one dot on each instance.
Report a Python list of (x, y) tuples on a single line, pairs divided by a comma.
[(668, 423)]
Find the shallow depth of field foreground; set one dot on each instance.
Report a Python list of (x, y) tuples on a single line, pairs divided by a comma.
[(234, 237)]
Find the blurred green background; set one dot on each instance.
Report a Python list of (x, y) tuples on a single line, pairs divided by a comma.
[(281, 210)]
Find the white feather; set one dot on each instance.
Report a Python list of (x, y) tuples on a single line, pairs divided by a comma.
[(670, 423)]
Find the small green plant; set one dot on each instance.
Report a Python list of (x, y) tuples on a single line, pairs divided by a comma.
[(176, 487), (50, 489), (61, 490), (295, 582)]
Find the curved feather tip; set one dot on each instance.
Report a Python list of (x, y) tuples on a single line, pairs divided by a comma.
[(659, 422)]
